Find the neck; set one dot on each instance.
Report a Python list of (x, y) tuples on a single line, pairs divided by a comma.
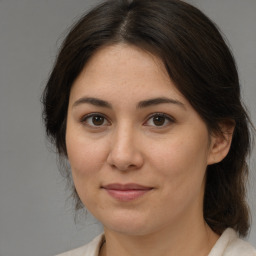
[(190, 240)]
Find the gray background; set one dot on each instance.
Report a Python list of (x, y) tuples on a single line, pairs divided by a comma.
[(35, 218)]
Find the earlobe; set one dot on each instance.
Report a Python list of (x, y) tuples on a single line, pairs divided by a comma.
[(221, 142)]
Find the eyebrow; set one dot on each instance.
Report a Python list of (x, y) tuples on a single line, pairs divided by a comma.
[(157, 101), (142, 104), (92, 101)]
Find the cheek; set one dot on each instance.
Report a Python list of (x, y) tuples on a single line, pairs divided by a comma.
[(86, 156), (86, 159), (182, 169), (178, 153), (182, 163)]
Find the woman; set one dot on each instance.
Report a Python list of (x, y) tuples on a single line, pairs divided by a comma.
[(144, 102)]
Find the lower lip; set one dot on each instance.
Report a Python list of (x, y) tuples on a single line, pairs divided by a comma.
[(126, 195)]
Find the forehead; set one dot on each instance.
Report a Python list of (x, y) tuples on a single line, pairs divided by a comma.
[(125, 58), (126, 70)]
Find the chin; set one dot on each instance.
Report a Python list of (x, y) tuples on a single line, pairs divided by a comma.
[(129, 225), (128, 230)]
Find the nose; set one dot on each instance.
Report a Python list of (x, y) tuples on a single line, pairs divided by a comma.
[(124, 153)]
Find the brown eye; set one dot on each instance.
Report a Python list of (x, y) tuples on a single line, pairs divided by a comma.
[(159, 120), (98, 120), (95, 120)]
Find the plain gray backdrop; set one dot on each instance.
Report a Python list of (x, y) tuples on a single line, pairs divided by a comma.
[(35, 218)]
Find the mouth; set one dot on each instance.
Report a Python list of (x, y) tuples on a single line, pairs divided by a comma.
[(126, 192)]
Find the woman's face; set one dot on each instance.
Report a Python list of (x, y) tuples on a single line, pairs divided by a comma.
[(138, 150)]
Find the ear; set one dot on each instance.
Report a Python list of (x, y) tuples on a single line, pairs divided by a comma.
[(221, 142)]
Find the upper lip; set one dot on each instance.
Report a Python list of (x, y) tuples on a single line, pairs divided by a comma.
[(123, 187)]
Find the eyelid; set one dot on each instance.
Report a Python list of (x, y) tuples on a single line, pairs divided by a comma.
[(168, 117), (87, 116), (84, 118)]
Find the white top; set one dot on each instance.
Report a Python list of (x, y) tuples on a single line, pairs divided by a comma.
[(227, 245)]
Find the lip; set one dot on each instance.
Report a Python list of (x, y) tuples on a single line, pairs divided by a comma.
[(126, 192)]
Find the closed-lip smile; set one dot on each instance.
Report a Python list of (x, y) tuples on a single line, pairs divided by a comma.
[(126, 192)]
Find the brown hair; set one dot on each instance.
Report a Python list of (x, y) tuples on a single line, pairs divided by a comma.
[(201, 66)]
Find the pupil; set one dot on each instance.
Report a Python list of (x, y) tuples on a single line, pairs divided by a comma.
[(159, 120), (98, 120)]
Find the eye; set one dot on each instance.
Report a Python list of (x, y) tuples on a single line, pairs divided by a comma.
[(159, 120), (95, 120)]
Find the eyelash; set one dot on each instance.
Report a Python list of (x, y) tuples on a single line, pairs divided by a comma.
[(85, 118), (166, 117)]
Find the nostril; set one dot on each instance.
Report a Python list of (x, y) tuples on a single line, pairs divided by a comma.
[(124, 154), (126, 162), (123, 167)]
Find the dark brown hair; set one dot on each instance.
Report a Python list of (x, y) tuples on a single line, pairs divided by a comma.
[(201, 66)]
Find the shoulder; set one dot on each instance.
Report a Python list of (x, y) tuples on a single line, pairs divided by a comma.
[(90, 249), (230, 245), (240, 247)]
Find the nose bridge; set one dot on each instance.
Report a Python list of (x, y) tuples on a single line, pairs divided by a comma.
[(123, 140), (124, 151)]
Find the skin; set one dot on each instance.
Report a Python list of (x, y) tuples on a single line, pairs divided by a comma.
[(122, 143)]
